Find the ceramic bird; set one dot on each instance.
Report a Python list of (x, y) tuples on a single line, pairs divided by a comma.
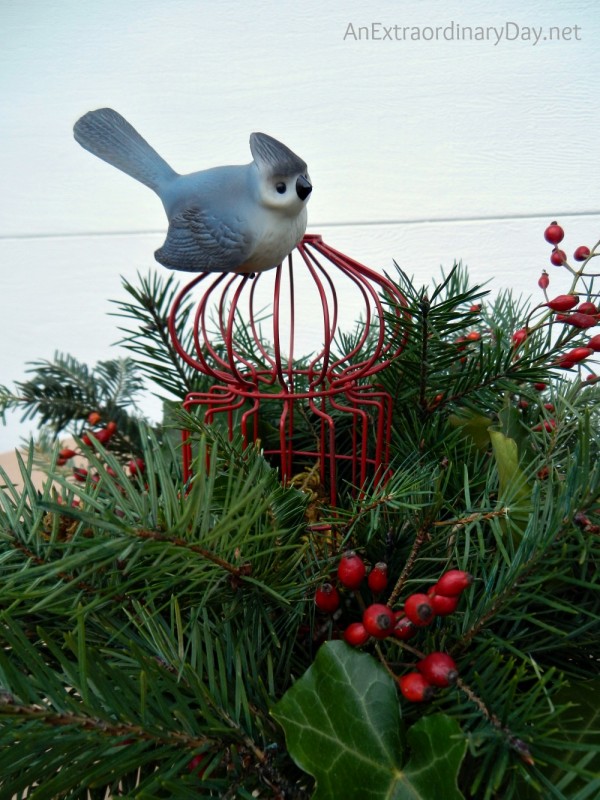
[(244, 218)]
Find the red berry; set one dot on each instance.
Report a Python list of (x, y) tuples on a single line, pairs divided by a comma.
[(356, 634), (563, 302), (438, 669), (587, 308), (66, 453), (327, 598), (443, 605), (578, 354), (544, 280), (564, 363), (453, 582), (475, 307), (547, 425), (415, 687), (377, 579), (102, 435), (549, 406), (80, 474), (379, 620), (194, 765), (594, 343), (519, 336), (418, 609), (404, 629), (577, 320), (558, 257), (137, 465), (351, 570), (581, 253), (554, 233), (93, 418), (473, 336), (540, 386)]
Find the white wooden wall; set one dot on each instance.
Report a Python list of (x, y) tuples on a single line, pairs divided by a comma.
[(420, 151)]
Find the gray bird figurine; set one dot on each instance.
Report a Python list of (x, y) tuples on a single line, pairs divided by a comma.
[(245, 218)]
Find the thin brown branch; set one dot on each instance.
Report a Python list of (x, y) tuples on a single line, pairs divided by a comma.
[(239, 572), (420, 538)]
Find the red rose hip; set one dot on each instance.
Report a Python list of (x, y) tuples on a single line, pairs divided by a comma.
[(377, 579), (563, 302), (442, 604), (419, 610), (356, 634), (439, 669), (379, 620), (453, 582), (327, 598), (351, 570), (519, 337), (404, 629), (558, 257), (554, 233), (581, 253), (594, 343), (415, 687)]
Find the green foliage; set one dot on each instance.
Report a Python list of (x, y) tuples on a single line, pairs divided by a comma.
[(159, 639), (62, 392), (343, 726)]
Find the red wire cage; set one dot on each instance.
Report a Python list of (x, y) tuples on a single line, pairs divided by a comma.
[(256, 375)]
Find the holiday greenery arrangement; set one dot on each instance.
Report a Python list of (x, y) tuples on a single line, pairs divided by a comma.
[(432, 636)]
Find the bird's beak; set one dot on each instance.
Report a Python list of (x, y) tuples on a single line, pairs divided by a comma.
[(303, 187)]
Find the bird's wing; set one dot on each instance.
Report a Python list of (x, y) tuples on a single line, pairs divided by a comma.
[(197, 241)]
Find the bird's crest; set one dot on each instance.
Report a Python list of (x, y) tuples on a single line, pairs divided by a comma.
[(275, 156)]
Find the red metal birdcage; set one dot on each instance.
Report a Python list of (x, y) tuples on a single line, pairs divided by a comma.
[(262, 389)]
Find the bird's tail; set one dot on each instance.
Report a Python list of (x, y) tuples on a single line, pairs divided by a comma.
[(106, 134)]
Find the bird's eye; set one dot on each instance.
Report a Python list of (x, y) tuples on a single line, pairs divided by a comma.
[(281, 187)]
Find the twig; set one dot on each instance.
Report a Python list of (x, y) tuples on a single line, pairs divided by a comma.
[(421, 536), (239, 572)]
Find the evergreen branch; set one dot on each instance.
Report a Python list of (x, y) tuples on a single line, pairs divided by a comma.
[(20, 714), (237, 572)]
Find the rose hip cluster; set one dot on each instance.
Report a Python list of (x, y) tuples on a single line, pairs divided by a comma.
[(554, 234), (435, 670), (380, 621), (566, 308), (102, 435)]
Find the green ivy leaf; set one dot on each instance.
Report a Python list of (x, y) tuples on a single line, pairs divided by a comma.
[(343, 726), (513, 486), (473, 426)]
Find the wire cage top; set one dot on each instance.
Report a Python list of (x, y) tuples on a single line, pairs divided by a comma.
[(246, 331)]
